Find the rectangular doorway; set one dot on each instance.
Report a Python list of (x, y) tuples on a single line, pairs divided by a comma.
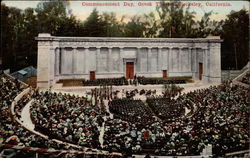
[(130, 70), (200, 71), (164, 73), (92, 75)]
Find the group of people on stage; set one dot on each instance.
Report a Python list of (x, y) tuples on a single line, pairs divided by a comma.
[(144, 81), (137, 80), (106, 81)]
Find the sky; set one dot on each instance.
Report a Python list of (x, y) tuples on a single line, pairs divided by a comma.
[(81, 9)]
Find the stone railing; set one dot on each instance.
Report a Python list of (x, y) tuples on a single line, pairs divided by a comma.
[(230, 74), (237, 80), (244, 154), (12, 78), (200, 156), (17, 98)]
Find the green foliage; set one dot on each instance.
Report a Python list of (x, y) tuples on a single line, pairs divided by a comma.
[(20, 27), (175, 21), (135, 27), (112, 26), (50, 16), (12, 30), (93, 26), (235, 47), (151, 25)]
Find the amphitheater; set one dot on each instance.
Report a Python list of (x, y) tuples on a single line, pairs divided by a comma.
[(184, 113)]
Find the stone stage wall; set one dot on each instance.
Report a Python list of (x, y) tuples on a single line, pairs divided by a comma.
[(76, 57)]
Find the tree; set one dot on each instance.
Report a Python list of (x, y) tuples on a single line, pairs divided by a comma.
[(94, 26), (50, 16), (151, 25), (175, 20), (235, 33), (29, 45), (135, 27), (112, 26), (206, 27), (70, 27), (11, 34)]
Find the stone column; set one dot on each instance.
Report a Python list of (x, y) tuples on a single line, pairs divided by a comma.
[(189, 60), (207, 64), (170, 62), (204, 65), (98, 52), (160, 60), (215, 63), (194, 62), (109, 60), (61, 60), (57, 61), (121, 60), (182, 59), (167, 59), (51, 65), (43, 61), (148, 61), (86, 68), (74, 55), (178, 59), (138, 62)]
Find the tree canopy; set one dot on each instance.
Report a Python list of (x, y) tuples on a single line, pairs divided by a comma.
[(20, 27)]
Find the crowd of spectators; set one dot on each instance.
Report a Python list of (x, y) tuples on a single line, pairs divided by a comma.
[(21, 103), (131, 110), (220, 118), (12, 132), (218, 115), (68, 118), (165, 108)]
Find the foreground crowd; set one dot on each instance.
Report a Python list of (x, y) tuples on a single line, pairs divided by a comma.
[(218, 116), (68, 118), (12, 132)]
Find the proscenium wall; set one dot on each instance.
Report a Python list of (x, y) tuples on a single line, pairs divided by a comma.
[(76, 57)]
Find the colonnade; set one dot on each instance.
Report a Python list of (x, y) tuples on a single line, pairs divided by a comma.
[(74, 57)]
